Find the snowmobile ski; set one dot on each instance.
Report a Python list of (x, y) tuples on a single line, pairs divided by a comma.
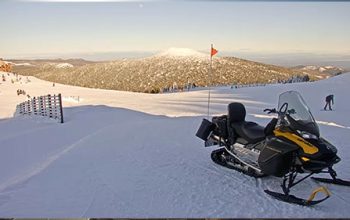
[(332, 181), (295, 200)]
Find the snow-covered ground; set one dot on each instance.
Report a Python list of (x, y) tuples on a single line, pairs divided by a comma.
[(122, 154)]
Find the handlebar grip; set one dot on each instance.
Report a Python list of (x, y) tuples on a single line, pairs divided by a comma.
[(269, 111)]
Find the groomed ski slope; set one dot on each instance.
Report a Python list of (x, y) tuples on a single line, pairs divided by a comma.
[(122, 154)]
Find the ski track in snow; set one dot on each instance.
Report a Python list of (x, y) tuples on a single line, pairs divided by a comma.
[(84, 214), (45, 164), (332, 124)]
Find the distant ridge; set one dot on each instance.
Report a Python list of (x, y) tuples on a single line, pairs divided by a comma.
[(332, 70), (153, 74)]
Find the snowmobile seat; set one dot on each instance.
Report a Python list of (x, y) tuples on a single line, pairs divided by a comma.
[(250, 131)]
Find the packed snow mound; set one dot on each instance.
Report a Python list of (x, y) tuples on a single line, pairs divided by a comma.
[(64, 65), (22, 64), (182, 52), (15, 64)]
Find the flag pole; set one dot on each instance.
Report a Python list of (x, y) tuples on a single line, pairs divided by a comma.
[(209, 73)]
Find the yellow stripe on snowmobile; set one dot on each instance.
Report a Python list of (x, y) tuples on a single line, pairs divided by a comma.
[(307, 147), (320, 189), (305, 159)]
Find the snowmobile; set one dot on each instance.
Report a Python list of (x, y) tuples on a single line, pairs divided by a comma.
[(290, 144)]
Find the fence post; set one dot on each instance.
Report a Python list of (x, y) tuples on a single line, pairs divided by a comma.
[(29, 108), (49, 104), (61, 109), (34, 105), (25, 108), (55, 105), (45, 105), (40, 105)]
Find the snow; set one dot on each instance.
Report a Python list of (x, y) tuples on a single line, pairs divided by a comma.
[(71, 99), (23, 64), (18, 64), (321, 69), (310, 68), (182, 52), (64, 65), (123, 154)]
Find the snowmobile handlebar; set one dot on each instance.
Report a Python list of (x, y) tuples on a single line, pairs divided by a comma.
[(269, 111)]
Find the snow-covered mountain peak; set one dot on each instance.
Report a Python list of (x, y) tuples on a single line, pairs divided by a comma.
[(182, 52)]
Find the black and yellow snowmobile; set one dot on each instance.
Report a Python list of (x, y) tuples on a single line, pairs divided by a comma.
[(289, 145)]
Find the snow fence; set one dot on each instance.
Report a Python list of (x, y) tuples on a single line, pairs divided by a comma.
[(47, 106)]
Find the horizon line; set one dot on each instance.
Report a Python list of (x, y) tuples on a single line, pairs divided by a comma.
[(242, 50), (141, 1)]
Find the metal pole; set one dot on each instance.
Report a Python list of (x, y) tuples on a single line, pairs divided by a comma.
[(209, 76)]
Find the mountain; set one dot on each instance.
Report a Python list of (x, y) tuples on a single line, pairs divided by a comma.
[(25, 62), (174, 67), (331, 70)]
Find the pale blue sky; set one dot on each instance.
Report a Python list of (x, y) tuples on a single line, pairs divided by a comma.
[(37, 28)]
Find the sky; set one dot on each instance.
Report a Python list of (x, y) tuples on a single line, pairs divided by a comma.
[(39, 28)]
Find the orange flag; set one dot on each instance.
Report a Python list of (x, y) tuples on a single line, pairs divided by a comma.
[(213, 51)]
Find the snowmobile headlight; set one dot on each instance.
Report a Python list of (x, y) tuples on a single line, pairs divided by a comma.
[(307, 135)]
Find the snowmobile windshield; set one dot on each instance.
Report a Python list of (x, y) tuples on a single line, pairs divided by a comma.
[(298, 114)]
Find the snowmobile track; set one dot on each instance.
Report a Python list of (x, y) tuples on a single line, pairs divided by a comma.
[(215, 157)]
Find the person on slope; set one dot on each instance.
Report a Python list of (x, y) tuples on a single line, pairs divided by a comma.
[(329, 99)]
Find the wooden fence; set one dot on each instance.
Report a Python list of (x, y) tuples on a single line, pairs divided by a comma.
[(48, 106)]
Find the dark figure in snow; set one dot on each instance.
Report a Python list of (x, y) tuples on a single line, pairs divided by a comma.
[(329, 99)]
